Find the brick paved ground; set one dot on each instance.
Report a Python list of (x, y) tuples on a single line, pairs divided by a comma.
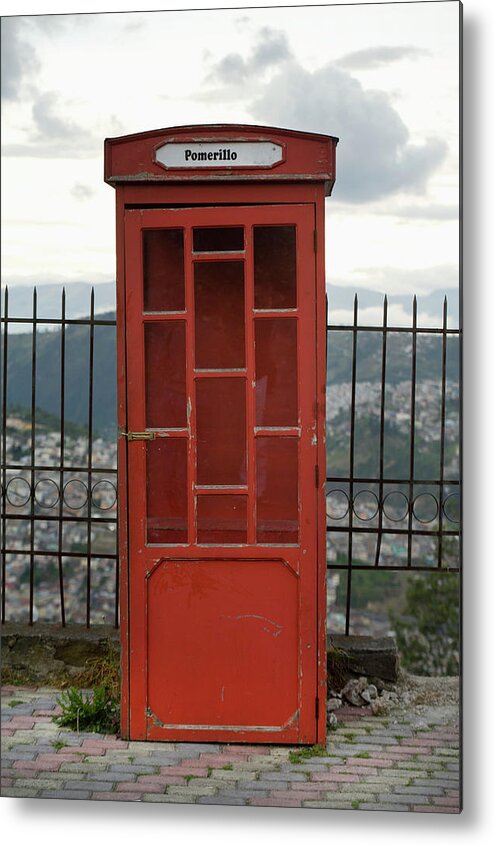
[(396, 763)]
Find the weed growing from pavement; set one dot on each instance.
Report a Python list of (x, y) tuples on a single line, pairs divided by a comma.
[(228, 766), (98, 712), (355, 805), (58, 744), (303, 754), (15, 702), (363, 755)]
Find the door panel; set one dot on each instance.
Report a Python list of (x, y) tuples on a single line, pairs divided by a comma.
[(231, 661), (222, 500)]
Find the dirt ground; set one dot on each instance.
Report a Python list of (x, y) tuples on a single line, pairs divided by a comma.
[(421, 697)]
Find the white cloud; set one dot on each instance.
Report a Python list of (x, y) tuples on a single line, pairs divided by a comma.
[(374, 57), (376, 157)]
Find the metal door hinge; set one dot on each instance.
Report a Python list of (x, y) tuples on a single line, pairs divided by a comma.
[(138, 435)]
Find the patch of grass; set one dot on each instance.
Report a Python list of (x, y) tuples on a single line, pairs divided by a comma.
[(350, 736), (188, 778), (102, 671), (303, 754), (228, 766), (15, 702), (363, 755), (18, 678), (58, 744), (355, 805), (210, 771), (98, 712)]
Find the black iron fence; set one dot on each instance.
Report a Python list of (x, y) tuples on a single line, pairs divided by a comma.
[(394, 505), (393, 450)]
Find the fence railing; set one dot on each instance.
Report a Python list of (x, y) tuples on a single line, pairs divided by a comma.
[(408, 509), (393, 484)]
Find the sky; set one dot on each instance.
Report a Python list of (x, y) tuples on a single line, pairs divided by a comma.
[(383, 77)]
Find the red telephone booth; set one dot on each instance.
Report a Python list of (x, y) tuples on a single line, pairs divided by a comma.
[(221, 323)]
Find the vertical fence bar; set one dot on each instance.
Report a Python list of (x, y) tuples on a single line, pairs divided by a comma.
[(117, 581), (381, 427), (62, 460), (442, 435), (4, 449), (33, 454), (352, 467), (90, 461), (411, 470)]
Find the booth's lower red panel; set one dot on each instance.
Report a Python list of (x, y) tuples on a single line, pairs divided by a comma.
[(223, 650)]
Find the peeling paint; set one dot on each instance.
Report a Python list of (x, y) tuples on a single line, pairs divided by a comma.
[(235, 728), (156, 722), (264, 619)]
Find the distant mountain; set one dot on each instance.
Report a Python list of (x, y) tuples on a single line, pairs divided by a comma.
[(48, 349), (49, 301), (370, 307), (48, 358), (341, 300), (398, 357)]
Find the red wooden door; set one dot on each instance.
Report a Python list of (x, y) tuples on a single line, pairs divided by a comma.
[(221, 336)]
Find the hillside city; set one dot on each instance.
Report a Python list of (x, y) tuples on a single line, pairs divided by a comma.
[(72, 535)]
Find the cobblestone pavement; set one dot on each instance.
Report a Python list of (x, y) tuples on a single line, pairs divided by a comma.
[(399, 763)]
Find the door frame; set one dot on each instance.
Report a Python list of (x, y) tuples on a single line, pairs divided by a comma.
[(310, 486)]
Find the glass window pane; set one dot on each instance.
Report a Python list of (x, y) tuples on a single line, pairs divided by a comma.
[(221, 431), (277, 489), (219, 239), (164, 279), (219, 308), (166, 396), (221, 519), (276, 371), (166, 490), (275, 271)]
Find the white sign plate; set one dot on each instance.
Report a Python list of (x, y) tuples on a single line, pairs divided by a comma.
[(223, 154)]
